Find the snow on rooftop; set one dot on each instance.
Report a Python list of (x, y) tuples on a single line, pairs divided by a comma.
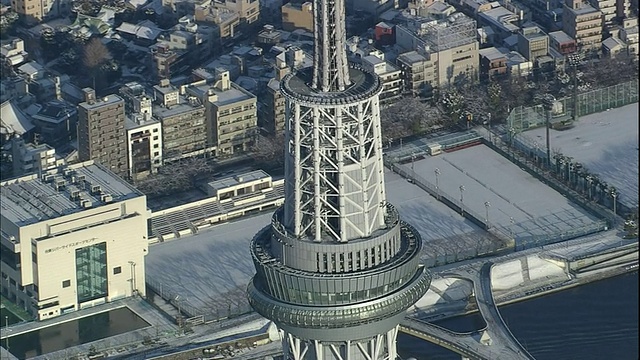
[(606, 144)]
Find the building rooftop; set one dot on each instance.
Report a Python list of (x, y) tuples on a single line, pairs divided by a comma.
[(62, 191), (231, 181), (411, 57), (584, 9), (561, 37), (14, 120), (134, 121), (184, 106), (225, 97), (492, 53), (99, 102), (502, 18)]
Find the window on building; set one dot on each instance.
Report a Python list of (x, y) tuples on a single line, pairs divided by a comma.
[(91, 272), (66, 283), (117, 270)]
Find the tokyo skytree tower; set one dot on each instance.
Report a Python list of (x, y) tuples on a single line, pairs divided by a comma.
[(336, 269)]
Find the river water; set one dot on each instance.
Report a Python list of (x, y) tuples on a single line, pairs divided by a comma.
[(596, 321)]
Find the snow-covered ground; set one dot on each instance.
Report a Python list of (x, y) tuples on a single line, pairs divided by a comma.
[(445, 290), (606, 144), (507, 275), (541, 268), (518, 202), (211, 269)]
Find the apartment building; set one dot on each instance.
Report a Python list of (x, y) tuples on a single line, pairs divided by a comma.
[(101, 132), (297, 16), (247, 10), (184, 122), (609, 11), (418, 73), (584, 24), (34, 11), (29, 158), (389, 74), (144, 144), (226, 20), (231, 114), (493, 64), (562, 43), (450, 46), (71, 238), (628, 33), (532, 43), (272, 108)]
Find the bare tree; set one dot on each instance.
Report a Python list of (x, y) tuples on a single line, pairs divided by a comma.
[(269, 149), (95, 54), (178, 176), (407, 116)]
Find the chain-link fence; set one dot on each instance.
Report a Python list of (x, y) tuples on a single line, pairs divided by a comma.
[(217, 311), (523, 118)]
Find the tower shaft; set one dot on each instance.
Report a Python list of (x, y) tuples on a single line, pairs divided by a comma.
[(330, 66)]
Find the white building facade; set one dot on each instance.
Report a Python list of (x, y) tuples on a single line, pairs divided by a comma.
[(72, 238)]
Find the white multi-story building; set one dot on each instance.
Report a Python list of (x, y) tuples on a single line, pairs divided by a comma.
[(73, 237), (144, 144), (31, 159)]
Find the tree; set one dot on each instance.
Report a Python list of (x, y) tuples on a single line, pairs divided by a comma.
[(94, 55), (181, 175), (269, 150), (407, 116)]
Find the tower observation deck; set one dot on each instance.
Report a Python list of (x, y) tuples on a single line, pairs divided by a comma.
[(336, 269)]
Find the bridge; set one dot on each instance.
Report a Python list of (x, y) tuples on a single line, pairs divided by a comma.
[(500, 343)]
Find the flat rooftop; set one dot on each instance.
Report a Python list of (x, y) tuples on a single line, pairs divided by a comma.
[(230, 181), (32, 199), (102, 101)]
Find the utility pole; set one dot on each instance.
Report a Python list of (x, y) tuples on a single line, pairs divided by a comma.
[(547, 103)]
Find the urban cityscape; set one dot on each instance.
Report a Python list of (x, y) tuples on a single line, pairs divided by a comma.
[(319, 180)]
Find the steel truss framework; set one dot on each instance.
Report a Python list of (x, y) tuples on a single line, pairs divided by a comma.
[(379, 347), (330, 66), (335, 183)]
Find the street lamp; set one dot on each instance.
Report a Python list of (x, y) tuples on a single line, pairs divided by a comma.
[(413, 159), (461, 200), (486, 208), (437, 171), (574, 60), (614, 195)]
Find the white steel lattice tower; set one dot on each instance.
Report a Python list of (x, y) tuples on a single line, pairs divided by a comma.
[(336, 269)]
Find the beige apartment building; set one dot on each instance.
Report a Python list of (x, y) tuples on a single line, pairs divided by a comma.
[(183, 122), (34, 11), (101, 131), (297, 16), (71, 238), (418, 73), (248, 10), (233, 116), (389, 74), (449, 47), (583, 23)]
